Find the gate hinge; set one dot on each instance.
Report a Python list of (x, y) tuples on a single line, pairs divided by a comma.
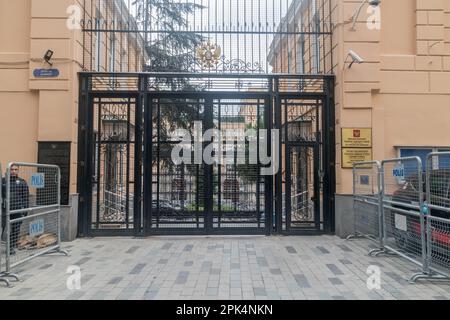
[(81, 199)]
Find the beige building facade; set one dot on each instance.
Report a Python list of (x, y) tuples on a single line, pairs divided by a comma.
[(401, 91), (39, 110), (397, 95)]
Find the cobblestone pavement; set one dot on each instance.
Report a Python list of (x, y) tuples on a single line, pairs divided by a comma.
[(322, 267)]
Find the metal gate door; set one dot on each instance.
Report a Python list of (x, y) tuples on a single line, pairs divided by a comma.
[(111, 164), (130, 184), (224, 195), (302, 145)]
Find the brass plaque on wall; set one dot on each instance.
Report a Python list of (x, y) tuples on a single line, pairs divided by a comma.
[(356, 137), (352, 155)]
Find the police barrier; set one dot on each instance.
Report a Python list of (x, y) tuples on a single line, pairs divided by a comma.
[(368, 219), (403, 198), (32, 212), (437, 210), (2, 252)]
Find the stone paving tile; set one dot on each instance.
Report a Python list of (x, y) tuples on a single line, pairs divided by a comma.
[(311, 268)]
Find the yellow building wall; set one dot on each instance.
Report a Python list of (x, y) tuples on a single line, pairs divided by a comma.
[(402, 89), (37, 109), (18, 106)]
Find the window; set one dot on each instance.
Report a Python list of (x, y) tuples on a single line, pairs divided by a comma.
[(99, 41), (301, 55), (315, 67), (422, 153), (112, 53)]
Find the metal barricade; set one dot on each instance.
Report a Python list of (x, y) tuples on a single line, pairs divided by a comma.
[(32, 212), (368, 218), (2, 246), (403, 198), (437, 208)]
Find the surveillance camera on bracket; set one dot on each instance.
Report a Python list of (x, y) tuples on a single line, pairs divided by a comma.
[(356, 58)]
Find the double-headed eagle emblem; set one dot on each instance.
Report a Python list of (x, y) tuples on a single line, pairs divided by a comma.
[(209, 55)]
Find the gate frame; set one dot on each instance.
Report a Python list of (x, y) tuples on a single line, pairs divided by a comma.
[(275, 95)]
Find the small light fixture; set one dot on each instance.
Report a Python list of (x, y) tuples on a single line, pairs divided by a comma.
[(48, 57), (373, 3)]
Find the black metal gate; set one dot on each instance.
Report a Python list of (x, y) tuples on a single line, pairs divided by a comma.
[(217, 197), (262, 67), (130, 184)]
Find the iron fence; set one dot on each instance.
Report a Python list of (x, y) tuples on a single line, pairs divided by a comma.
[(367, 192), (32, 212), (217, 36)]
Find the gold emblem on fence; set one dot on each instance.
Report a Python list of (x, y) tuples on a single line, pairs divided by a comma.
[(209, 55)]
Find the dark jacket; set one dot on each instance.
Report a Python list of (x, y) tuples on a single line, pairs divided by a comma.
[(19, 193)]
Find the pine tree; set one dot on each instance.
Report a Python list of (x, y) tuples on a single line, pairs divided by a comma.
[(170, 51)]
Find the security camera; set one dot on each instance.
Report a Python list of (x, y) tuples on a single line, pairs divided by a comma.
[(356, 58), (374, 3)]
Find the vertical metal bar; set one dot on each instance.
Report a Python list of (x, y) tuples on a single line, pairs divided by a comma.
[(208, 179), (197, 180), (140, 100), (89, 156), (219, 166), (98, 148), (429, 232), (158, 161), (268, 186), (258, 173), (423, 219), (8, 219), (383, 195), (58, 185), (148, 164), (82, 141), (279, 174), (329, 155), (127, 187), (380, 174), (316, 153), (288, 182)]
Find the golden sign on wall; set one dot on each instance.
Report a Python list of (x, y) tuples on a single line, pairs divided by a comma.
[(352, 155), (356, 138)]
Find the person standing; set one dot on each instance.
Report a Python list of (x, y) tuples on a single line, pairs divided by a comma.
[(19, 199)]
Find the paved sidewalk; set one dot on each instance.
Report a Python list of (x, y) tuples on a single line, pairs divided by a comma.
[(322, 267)]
